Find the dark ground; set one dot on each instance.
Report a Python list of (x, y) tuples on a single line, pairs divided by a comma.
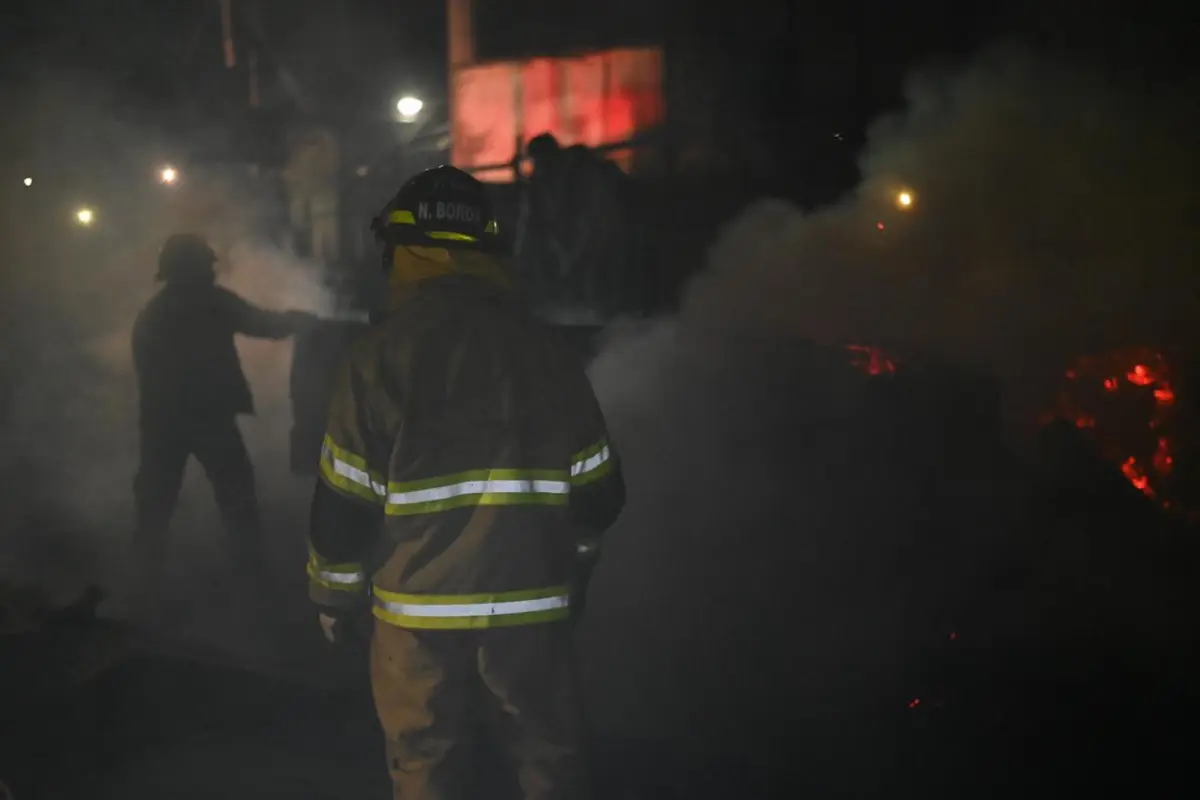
[(164, 728), (1066, 669), (991, 721)]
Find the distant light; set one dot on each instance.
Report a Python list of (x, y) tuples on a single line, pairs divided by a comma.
[(838, 136), (409, 107), (85, 216), (362, 171), (905, 199), (28, 181), (879, 225), (168, 175)]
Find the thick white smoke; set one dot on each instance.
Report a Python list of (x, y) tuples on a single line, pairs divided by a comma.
[(70, 437), (1051, 214), (764, 561)]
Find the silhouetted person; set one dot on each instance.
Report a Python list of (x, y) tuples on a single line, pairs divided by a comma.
[(191, 390), (576, 226)]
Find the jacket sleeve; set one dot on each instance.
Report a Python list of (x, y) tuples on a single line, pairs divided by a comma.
[(258, 323), (348, 501), (597, 482)]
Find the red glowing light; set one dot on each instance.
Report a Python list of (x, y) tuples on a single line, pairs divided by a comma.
[(879, 225), (916, 701), (1116, 416), (871, 360), (953, 635), (1140, 376), (1134, 473)]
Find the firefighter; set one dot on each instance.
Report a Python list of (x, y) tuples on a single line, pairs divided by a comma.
[(191, 389), (465, 467)]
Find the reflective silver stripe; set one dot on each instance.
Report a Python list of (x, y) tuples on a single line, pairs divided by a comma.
[(478, 487), (340, 577), (445, 610), (357, 475), (589, 464)]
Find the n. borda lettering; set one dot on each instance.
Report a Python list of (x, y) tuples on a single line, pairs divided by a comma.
[(451, 212)]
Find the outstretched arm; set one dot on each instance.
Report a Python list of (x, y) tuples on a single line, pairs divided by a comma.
[(250, 320)]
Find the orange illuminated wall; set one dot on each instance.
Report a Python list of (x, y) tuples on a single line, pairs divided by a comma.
[(599, 99)]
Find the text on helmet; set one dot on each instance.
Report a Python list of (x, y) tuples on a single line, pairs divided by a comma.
[(451, 212)]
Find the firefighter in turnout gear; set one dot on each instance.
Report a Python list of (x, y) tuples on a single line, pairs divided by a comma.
[(465, 462), (191, 389)]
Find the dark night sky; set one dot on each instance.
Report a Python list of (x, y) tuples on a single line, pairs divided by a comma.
[(353, 49), (169, 53), (348, 59)]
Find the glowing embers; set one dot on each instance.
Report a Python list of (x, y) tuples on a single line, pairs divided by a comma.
[(871, 360), (1125, 403)]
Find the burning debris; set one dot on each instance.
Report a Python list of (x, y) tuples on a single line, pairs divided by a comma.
[(871, 360), (1125, 402)]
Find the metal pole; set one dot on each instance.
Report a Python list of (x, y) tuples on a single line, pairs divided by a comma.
[(460, 51), (227, 33)]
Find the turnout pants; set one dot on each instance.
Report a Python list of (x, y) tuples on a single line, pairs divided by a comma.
[(435, 689), (217, 444)]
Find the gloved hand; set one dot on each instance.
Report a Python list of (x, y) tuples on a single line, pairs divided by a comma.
[(345, 628), (334, 626), (587, 553)]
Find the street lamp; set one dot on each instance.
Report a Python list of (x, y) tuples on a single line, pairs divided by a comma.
[(85, 216), (904, 199), (409, 108), (28, 181), (168, 175)]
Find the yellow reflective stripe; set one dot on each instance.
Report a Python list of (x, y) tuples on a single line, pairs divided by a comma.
[(468, 611), (481, 487), (349, 473), (343, 577), (400, 217), (591, 463), (451, 236)]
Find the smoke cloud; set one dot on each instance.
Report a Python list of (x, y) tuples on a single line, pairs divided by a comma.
[(72, 294), (777, 543), (1049, 216), (788, 525)]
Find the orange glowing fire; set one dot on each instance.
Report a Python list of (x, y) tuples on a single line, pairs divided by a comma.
[(1125, 402), (871, 360)]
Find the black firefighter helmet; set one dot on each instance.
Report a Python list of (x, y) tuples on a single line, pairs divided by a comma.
[(440, 207), (186, 257)]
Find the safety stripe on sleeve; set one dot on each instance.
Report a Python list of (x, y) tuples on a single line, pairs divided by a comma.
[(591, 464), (462, 612), (343, 577), (483, 487), (348, 472)]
